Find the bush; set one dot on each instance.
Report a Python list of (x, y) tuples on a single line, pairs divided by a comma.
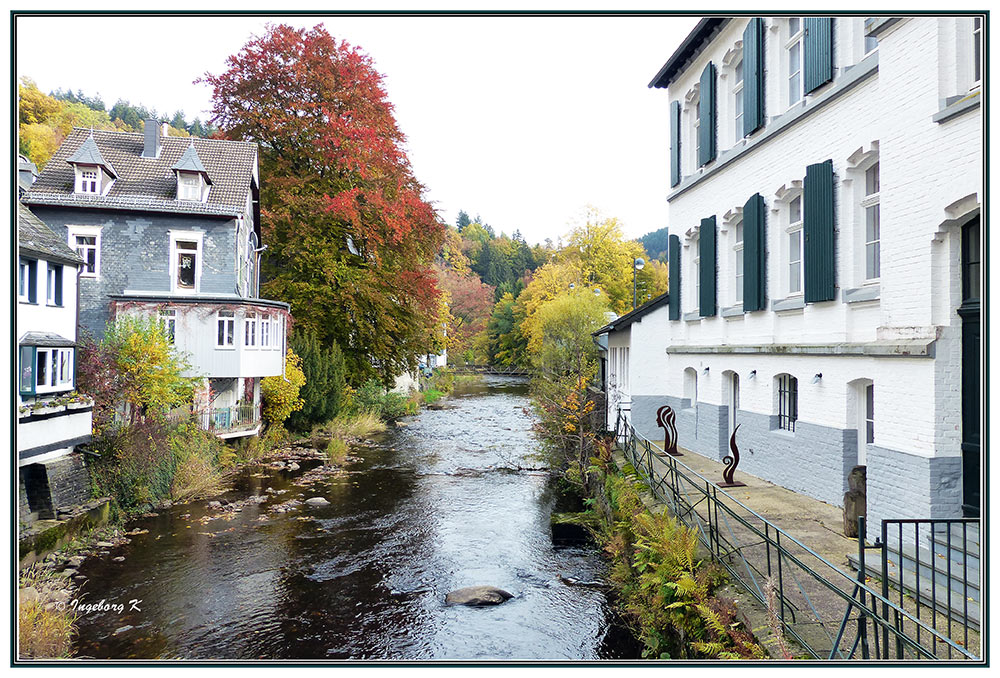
[(136, 466), (324, 390), (198, 455), (43, 634), (371, 397), (281, 393)]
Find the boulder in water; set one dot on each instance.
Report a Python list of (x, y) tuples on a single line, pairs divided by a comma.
[(478, 595), (317, 501)]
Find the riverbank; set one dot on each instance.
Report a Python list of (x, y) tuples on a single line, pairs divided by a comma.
[(421, 510)]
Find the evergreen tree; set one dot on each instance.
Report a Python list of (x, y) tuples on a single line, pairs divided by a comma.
[(323, 391), (463, 220)]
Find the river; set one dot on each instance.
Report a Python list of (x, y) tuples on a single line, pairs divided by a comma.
[(436, 505)]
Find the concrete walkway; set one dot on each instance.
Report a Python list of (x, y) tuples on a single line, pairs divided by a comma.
[(815, 577)]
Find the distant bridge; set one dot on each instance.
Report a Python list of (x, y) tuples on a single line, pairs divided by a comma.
[(510, 370)]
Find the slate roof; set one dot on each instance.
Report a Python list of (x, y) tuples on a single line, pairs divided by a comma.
[(192, 163), (34, 237), (89, 154), (149, 184), (45, 339), (634, 316)]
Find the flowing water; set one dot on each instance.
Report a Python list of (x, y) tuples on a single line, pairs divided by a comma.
[(445, 502)]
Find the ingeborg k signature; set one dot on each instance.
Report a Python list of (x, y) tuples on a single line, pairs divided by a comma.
[(101, 606)]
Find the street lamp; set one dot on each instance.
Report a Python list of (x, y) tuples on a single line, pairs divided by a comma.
[(636, 267)]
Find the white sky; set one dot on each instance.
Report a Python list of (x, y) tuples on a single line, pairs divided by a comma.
[(523, 120)]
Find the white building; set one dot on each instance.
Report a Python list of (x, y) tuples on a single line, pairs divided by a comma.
[(826, 184), (52, 418)]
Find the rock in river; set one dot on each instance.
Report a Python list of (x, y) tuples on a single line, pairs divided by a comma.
[(317, 501), (478, 595)]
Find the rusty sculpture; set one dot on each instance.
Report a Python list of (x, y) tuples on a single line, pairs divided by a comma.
[(665, 419), (731, 462)]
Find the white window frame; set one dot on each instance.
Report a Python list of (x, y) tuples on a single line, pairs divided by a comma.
[(738, 262), (738, 80), (250, 331), (57, 365), (794, 42), (24, 280), (196, 237), (89, 185), (265, 330), (786, 389), (870, 205), (168, 321), (50, 283), (225, 320), (793, 227), (977, 47), (86, 232), (191, 192)]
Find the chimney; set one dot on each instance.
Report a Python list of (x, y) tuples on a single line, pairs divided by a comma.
[(151, 143), (165, 129)]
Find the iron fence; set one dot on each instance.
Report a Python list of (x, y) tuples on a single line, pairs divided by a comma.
[(222, 420), (829, 613)]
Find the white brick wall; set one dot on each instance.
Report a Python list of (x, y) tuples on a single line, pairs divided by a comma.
[(930, 172)]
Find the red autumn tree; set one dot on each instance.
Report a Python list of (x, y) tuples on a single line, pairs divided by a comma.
[(350, 237), (470, 302)]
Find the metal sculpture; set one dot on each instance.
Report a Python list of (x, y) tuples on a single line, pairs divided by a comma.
[(665, 418), (731, 462)]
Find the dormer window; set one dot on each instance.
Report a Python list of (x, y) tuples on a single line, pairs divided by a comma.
[(189, 186), (193, 182), (88, 180)]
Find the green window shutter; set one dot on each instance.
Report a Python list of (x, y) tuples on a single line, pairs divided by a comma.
[(33, 281), (59, 286), (753, 76), (818, 246), (818, 52), (707, 267), (754, 254), (706, 117), (674, 277), (675, 143)]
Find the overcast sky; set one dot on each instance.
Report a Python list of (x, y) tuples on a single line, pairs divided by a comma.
[(523, 120)]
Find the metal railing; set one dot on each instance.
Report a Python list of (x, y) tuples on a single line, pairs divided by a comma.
[(222, 420), (829, 613)]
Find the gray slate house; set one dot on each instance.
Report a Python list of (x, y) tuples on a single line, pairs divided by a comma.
[(52, 418), (170, 227)]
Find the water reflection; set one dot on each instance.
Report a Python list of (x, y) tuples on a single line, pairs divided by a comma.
[(439, 505)]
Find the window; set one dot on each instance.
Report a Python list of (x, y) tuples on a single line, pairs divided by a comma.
[(696, 276), (695, 133), (788, 402), (86, 240), (226, 329), (977, 51), (189, 184), (871, 42), (26, 383), (88, 180), (187, 261), (185, 257), (870, 204), (250, 330), (870, 413), (265, 331), (738, 261), (168, 321), (794, 49), (27, 280), (738, 99), (54, 285), (794, 233)]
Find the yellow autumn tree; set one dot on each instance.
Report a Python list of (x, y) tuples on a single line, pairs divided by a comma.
[(281, 393)]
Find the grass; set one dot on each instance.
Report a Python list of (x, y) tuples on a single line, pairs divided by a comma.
[(345, 426), (336, 451), (432, 395), (42, 633)]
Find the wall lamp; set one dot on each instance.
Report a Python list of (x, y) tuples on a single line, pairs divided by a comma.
[(817, 377), (705, 371), (752, 375)]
